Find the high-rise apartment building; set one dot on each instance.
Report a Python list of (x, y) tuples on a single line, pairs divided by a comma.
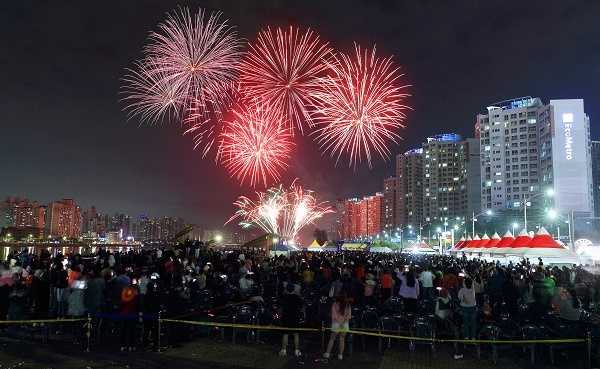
[(64, 219), (565, 155), (164, 228), (596, 176), (89, 220), (444, 178), (362, 217), (22, 213), (509, 154), (389, 203), (438, 182), (473, 175), (527, 147), (350, 219), (409, 187)]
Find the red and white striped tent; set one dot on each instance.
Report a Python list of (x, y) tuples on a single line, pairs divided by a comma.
[(504, 243), (476, 247), (461, 244), (522, 241), (458, 245), (466, 243), (543, 246), (494, 241), (474, 243)]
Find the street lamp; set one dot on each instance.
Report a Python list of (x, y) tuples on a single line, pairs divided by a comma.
[(549, 193), (488, 212), (553, 215)]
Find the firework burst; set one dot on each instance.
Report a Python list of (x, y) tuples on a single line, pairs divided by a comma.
[(151, 96), (281, 68), (188, 72), (281, 211), (359, 107), (255, 145)]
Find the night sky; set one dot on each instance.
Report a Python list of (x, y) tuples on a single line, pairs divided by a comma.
[(64, 133)]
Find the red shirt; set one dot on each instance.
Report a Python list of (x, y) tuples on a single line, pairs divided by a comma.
[(386, 280), (360, 272)]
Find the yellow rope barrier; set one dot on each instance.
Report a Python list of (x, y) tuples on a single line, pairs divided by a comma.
[(36, 321), (382, 335), (245, 326)]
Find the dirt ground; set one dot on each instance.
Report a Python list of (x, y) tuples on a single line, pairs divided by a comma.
[(209, 353)]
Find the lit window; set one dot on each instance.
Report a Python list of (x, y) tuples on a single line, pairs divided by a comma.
[(567, 117)]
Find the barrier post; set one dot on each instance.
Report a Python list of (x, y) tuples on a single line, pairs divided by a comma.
[(588, 342), (88, 332), (158, 326), (322, 336)]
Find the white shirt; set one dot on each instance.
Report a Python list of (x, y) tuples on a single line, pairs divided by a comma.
[(426, 279), (246, 283), (467, 297)]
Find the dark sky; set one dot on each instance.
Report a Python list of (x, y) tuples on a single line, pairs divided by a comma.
[(64, 133)]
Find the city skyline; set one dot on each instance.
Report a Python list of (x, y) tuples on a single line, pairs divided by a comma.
[(72, 115)]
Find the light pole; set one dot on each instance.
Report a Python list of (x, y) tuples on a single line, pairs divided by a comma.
[(549, 192), (515, 225), (421, 225), (488, 212), (553, 214), (455, 228), (439, 236)]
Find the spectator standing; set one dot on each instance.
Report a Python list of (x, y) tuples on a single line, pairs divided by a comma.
[(426, 279), (6, 282), (291, 314), (17, 298), (341, 313), (60, 289), (409, 291), (387, 283), (94, 294), (128, 311), (468, 306)]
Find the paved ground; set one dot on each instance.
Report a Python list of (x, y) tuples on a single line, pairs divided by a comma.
[(208, 353)]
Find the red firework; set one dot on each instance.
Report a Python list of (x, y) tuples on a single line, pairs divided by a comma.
[(281, 68), (359, 106), (255, 145)]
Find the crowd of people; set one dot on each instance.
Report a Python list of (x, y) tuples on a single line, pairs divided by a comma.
[(304, 289)]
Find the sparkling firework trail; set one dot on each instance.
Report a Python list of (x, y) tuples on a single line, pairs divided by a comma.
[(280, 211), (151, 96), (359, 106), (281, 68), (189, 69), (255, 145)]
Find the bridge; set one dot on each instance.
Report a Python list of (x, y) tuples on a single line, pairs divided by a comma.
[(67, 247)]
